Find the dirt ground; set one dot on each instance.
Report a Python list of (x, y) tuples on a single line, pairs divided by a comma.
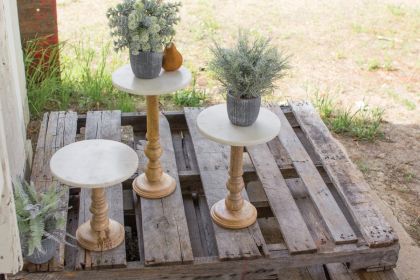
[(353, 50)]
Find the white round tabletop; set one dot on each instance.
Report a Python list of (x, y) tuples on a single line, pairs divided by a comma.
[(214, 123), (94, 163), (167, 82)]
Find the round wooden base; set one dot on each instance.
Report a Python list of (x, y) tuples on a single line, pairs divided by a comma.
[(233, 219), (100, 241), (147, 189)]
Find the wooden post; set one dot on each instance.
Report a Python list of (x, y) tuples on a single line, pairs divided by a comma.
[(100, 233), (153, 183), (234, 212)]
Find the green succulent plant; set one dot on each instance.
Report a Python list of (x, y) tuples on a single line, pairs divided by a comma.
[(250, 68), (143, 25), (38, 216)]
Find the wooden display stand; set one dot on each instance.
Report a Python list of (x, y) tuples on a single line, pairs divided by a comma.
[(316, 219), (153, 183), (233, 211), (96, 164)]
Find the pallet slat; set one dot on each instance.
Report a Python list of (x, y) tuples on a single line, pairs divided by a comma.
[(212, 159), (348, 181), (165, 231), (103, 125), (57, 130), (294, 230), (335, 220)]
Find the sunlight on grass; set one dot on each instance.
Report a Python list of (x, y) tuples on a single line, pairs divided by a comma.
[(79, 79), (410, 105), (191, 97), (363, 123)]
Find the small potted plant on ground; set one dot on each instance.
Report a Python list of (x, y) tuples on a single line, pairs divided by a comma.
[(145, 27), (39, 221), (247, 72)]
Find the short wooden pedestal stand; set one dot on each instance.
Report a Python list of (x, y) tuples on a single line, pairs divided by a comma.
[(96, 164), (153, 183), (234, 212)]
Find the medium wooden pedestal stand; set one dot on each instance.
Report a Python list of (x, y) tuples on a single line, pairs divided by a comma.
[(96, 164), (234, 212), (153, 183)]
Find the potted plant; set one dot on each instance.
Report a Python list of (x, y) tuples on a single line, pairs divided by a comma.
[(247, 71), (145, 27), (39, 221)]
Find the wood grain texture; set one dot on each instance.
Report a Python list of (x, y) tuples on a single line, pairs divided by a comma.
[(331, 213), (212, 159), (292, 225), (57, 130), (347, 179), (165, 231), (103, 125), (213, 268)]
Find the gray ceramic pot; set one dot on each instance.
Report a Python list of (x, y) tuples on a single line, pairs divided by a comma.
[(243, 112), (146, 65), (39, 257)]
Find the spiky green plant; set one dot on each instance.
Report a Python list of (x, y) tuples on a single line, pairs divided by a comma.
[(250, 68), (38, 215), (143, 25)]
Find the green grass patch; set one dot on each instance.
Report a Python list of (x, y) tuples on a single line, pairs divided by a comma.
[(410, 105), (396, 10), (191, 97), (79, 79), (362, 124)]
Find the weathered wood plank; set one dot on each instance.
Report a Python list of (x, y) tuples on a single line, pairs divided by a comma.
[(338, 271), (331, 213), (197, 244), (212, 268), (57, 130), (380, 275), (293, 228), (212, 159), (314, 272), (165, 230), (348, 181), (207, 225), (103, 125), (313, 219)]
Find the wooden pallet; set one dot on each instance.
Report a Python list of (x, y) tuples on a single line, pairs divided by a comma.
[(313, 206)]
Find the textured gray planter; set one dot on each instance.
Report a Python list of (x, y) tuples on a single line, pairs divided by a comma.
[(243, 112), (38, 257), (146, 65)]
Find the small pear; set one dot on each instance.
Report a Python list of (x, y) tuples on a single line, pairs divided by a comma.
[(172, 59)]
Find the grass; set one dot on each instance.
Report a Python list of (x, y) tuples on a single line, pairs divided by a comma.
[(78, 80), (410, 105), (362, 124), (192, 97)]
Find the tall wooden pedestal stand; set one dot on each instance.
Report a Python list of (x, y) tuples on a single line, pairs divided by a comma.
[(153, 183)]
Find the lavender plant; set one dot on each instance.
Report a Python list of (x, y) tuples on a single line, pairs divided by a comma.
[(249, 69), (143, 25)]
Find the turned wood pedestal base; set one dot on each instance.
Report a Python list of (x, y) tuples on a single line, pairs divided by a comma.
[(234, 212), (164, 187), (100, 233), (242, 218), (100, 240)]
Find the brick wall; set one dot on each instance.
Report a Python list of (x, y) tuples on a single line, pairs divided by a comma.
[(38, 18)]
